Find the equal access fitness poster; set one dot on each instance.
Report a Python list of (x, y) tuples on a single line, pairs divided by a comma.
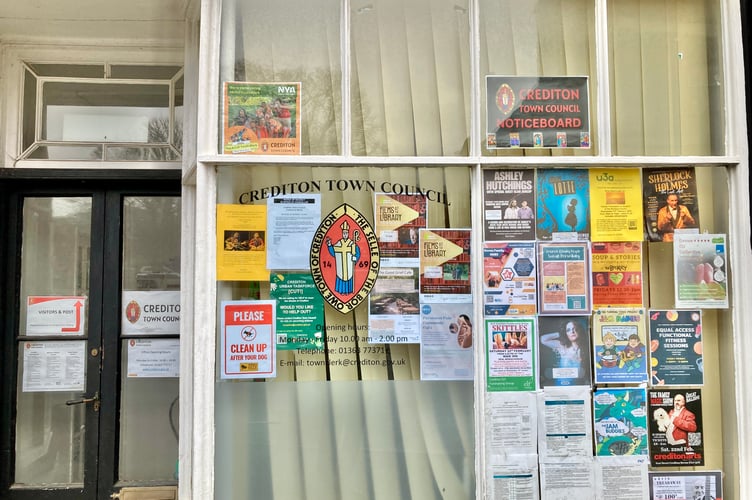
[(537, 112)]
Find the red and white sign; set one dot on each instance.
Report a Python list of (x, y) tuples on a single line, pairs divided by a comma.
[(249, 349), (55, 315)]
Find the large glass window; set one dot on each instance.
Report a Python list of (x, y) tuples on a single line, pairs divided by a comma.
[(666, 78), (291, 42), (353, 419), (538, 38), (409, 71)]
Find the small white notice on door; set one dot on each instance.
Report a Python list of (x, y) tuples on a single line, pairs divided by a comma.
[(54, 366), (55, 315), (153, 358)]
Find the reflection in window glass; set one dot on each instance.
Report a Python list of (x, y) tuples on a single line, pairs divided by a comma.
[(666, 78), (410, 64), (55, 262), (148, 400), (538, 38), (355, 421), (292, 42), (106, 113)]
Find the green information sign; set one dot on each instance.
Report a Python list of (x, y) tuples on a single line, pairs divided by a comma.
[(300, 311)]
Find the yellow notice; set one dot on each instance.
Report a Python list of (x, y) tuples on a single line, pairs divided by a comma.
[(436, 250), (616, 204), (241, 243), (391, 214)]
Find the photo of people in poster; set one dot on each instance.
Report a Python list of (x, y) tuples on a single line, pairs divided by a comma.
[(669, 201), (510, 354), (676, 347), (509, 204), (620, 420), (261, 118), (563, 203), (676, 427), (564, 351)]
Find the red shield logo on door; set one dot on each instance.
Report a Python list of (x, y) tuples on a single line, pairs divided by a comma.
[(344, 258)]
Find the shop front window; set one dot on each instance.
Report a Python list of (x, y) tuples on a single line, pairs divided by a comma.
[(351, 418)]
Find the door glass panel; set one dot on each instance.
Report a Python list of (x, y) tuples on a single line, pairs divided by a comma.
[(55, 262), (151, 305)]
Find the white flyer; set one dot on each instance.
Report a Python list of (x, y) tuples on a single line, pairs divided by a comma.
[(565, 426), (291, 223), (54, 366), (154, 358)]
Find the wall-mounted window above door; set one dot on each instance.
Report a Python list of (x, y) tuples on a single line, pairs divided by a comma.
[(102, 112)]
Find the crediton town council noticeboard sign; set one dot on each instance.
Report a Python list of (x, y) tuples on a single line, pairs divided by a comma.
[(537, 112)]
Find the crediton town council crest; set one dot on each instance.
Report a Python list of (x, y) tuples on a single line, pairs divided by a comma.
[(344, 258)]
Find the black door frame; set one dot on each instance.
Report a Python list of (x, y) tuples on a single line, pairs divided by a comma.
[(107, 189)]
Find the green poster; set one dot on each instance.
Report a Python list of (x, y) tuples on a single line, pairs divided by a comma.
[(510, 354), (300, 311)]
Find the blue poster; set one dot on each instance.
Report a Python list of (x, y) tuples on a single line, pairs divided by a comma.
[(563, 204), (676, 348), (621, 425)]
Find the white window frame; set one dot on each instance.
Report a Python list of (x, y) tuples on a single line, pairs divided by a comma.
[(12, 59), (200, 184)]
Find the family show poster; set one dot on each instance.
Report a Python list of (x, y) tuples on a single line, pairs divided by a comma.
[(676, 347), (563, 204), (620, 419), (564, 351), (261, 118), (619, 346), (676, 428), (509, 204), (669, 201)]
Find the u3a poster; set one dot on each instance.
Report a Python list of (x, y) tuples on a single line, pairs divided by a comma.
[(262, 118)]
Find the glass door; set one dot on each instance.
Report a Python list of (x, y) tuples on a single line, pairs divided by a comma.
[(90, 391)]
